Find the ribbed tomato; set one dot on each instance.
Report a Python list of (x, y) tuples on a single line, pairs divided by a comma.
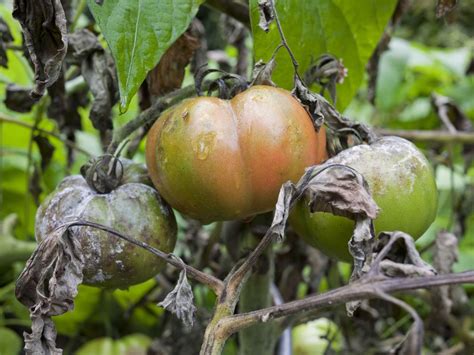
[(133, 208), (402, 184), (215, 159)]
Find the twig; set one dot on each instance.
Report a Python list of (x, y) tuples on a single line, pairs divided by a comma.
[(149, 116), (365, 288), (69, 143), (430, 136), (212, 282), (234, 9)]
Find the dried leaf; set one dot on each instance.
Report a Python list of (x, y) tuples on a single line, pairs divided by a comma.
[(18, 99), (44, 29), (34, 184), (168, 75), (48, 285), (326, 72), (180, 300), (262, 73), (445, 6), (5, 37), (444, 256), (329, 187), (340, 190), (322, 111), (265, 10), (98, 70), (46, 150), (396, 250)]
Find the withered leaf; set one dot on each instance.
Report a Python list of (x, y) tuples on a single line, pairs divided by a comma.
[(5, 37), (168, 75), (18, 98), (44, 29), (98, 70), (262, 73), (329, 187), (322, 111), (265, 10), (48, 285), (445, 6), (397, 256), (46, 150), (180, 300), (34, 184)]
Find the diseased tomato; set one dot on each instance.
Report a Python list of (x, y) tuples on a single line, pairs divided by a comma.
[(134, 208), (401, 182), (214, 159)]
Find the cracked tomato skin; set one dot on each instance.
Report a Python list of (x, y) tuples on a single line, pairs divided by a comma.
[(402, 184), (215, 159), (134, 208)]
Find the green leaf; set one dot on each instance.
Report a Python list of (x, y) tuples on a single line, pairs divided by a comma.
[(138, 33), (136, 344), (349, 30), (10, 342)]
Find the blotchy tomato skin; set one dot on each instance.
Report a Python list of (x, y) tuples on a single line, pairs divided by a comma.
[(402, 184), (214, 159), (133, 208)]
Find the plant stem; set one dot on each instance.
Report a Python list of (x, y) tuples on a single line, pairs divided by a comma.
[(258, 339), (80, 9), (430, 136), (71, 144), (212, 282), (149, 116)]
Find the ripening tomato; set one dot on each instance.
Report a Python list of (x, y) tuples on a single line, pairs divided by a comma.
[(402, 184), (133, 208), (214, 159)]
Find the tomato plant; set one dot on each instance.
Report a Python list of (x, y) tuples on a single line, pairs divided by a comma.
[(214, 159), (402, 183), (133, 207)]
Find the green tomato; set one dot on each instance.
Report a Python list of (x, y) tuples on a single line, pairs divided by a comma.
[(134, 208), (402, 184), (313, 338)]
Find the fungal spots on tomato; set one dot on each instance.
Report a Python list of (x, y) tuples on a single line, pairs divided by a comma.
[(185, 115), (204, 144)]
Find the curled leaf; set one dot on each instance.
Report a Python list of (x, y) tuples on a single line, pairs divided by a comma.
[(18, 98), (48, 285), (98, 70), (262, 73), (44, 29), (5, 37), (180, 300), (326, 72), (266, 14), (445, 6)]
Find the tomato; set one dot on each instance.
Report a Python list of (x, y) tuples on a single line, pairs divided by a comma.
[(316, 337), (214, 159), (401, 182), (133, 208)]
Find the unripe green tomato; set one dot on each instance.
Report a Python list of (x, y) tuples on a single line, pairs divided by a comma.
[(133, 208), (402, 184), (214, 159), (314, 338)]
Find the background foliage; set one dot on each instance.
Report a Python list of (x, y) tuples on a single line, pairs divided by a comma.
[(426, 56)]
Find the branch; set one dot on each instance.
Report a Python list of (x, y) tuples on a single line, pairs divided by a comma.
[(71, 144), (212, 282), (149, 116), (234, 9), (430, 136), (365, 288)]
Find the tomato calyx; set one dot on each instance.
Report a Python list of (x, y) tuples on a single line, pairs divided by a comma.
[(104, 173), (227, 84)]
